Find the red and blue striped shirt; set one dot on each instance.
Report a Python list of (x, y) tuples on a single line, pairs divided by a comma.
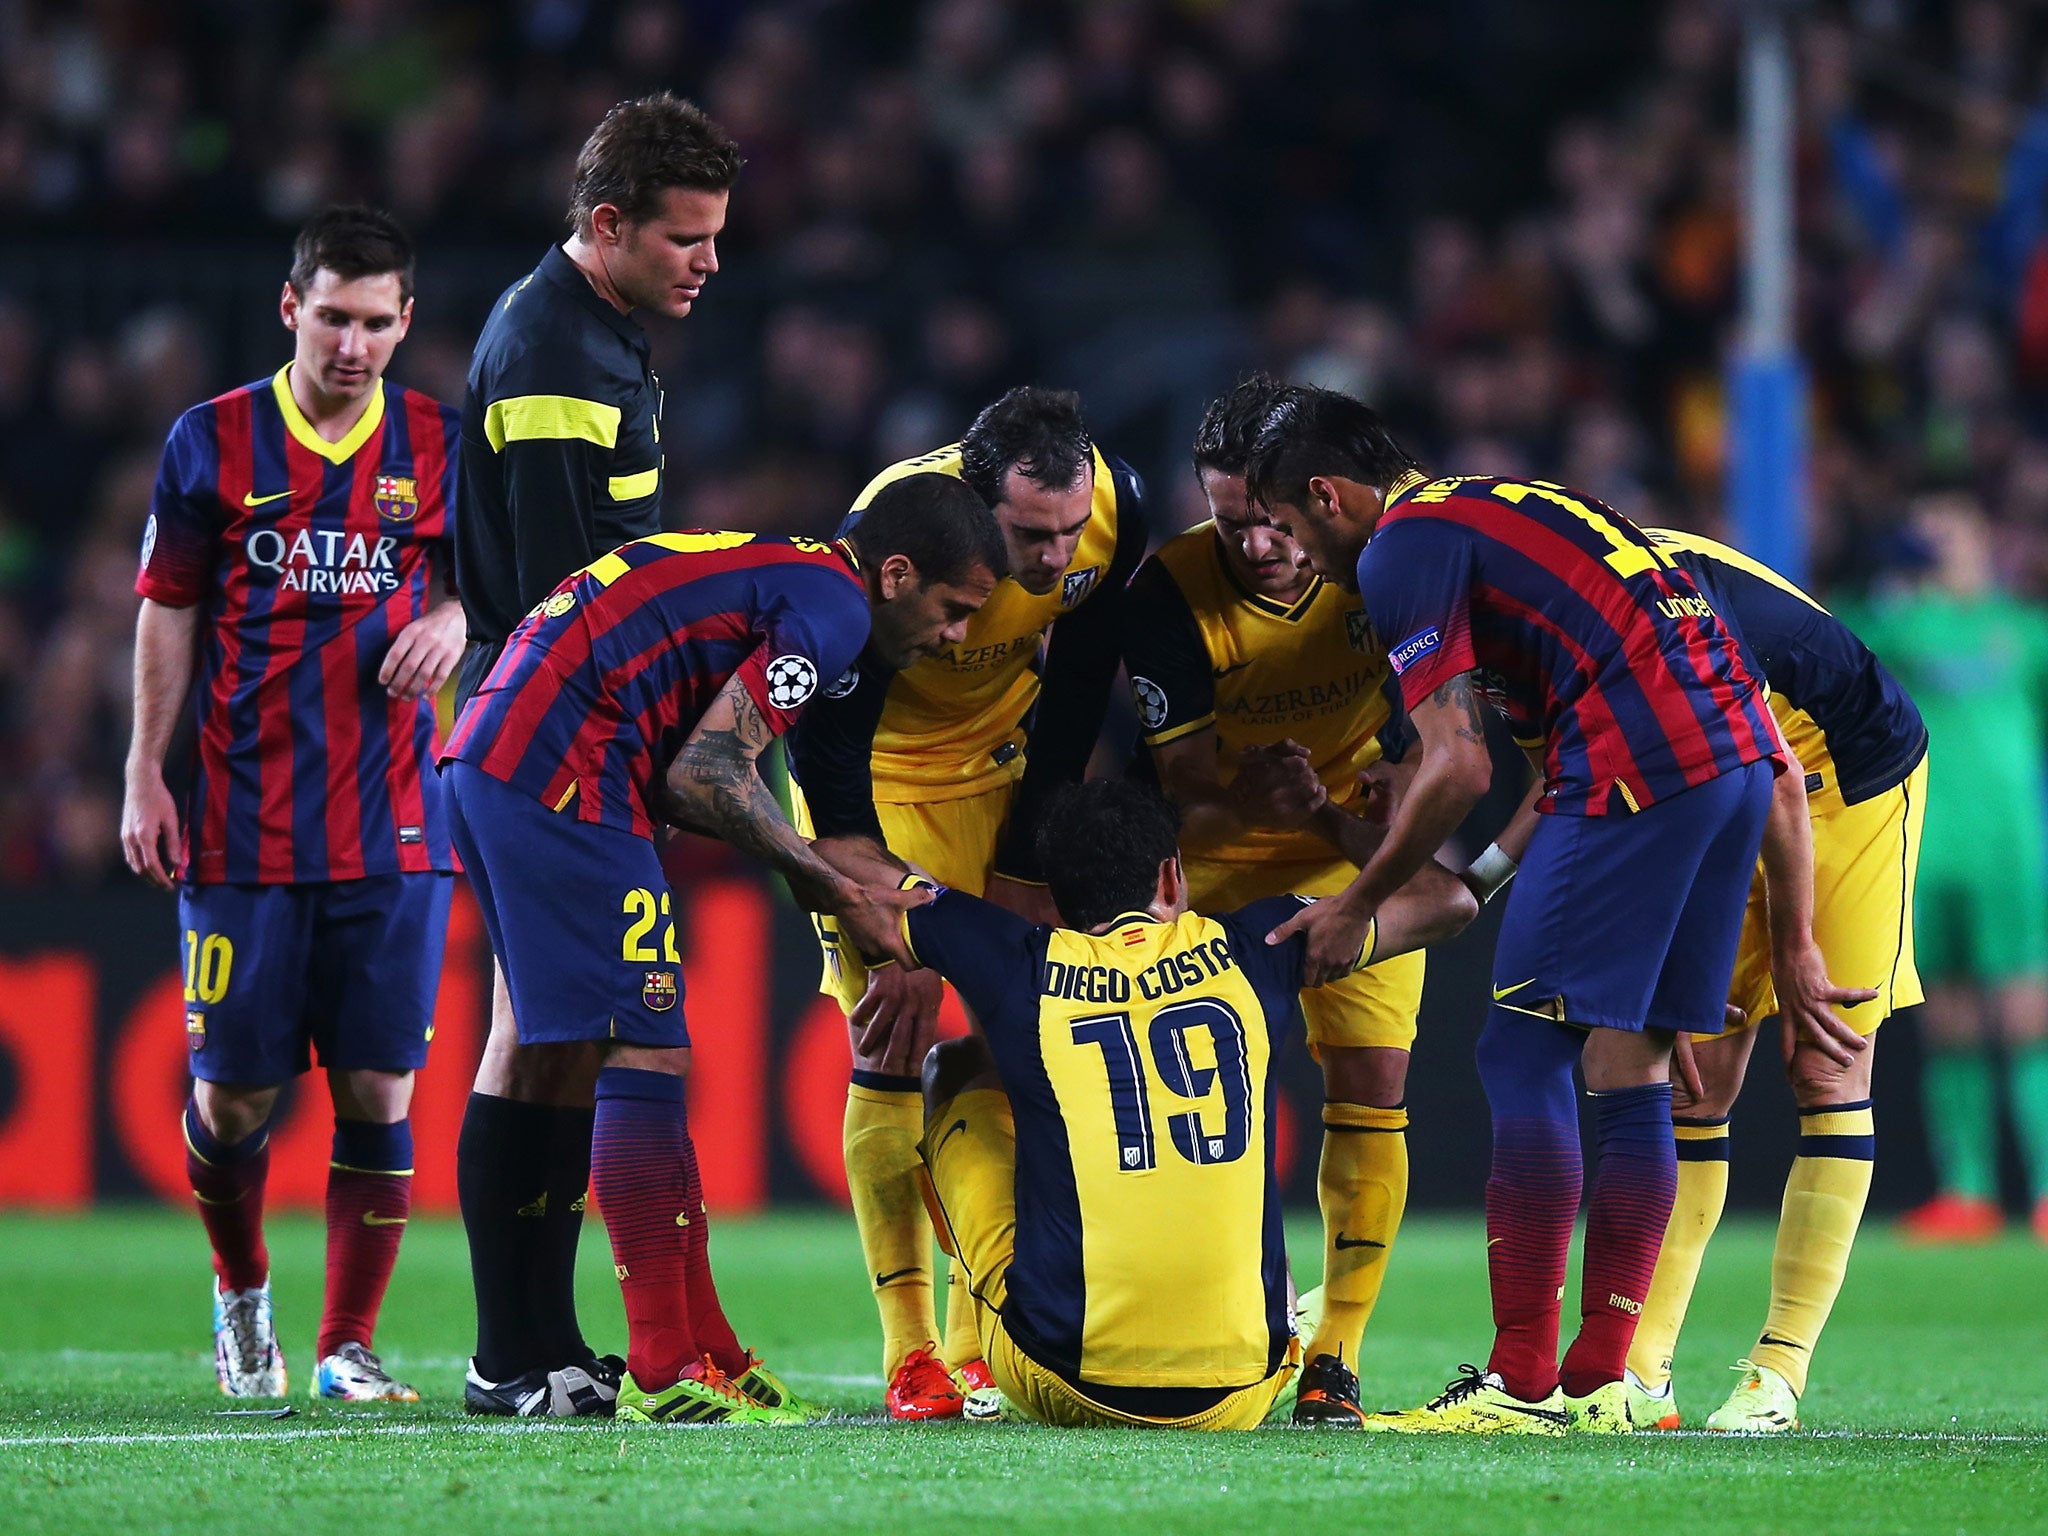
[(1598, 647), (604, 680), (310, 557)]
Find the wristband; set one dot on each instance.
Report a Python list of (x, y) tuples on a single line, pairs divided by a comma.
[(1490, 871)]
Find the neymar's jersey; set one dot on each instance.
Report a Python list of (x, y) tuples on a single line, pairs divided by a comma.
[(1139, 1066), (309, 557), (1598, 647), (1022, 696), (602, 682), (1204, 652), (1853, 727)]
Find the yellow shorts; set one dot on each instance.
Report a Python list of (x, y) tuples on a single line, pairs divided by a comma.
[(1373, 1007), (974, 1184), (1865, 857), (953, 841)]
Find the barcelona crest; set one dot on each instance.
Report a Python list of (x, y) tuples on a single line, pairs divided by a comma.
[(658, 991), (195, 1029), (397, 498)]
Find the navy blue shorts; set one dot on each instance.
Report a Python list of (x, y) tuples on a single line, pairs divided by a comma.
[(579, 916), (1627, 922), (347, 968)]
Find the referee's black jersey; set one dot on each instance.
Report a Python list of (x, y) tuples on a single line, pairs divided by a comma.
[(561, 450)]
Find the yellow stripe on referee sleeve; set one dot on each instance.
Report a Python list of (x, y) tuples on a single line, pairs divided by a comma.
[(524, 418), (633, 487)]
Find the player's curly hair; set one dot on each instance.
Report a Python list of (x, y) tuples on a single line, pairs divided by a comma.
[(352, 242), (1037, 431), (1101, 844), (935, 523), (641, 149), (1310, 432), (1223, 442)]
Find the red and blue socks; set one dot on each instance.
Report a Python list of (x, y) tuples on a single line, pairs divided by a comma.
[(227, 1180), (1634, 1186), (369, 1199), (1532, 1191), (639, 1162)]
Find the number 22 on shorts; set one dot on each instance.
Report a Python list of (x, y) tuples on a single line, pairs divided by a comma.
[(645, 910)]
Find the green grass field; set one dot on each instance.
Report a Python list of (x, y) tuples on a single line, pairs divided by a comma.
[(1929, 1411)]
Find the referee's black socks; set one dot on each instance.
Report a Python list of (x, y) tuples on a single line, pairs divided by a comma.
[(502, 1166)]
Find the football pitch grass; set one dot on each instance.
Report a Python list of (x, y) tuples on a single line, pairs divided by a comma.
[(1929, 1410)]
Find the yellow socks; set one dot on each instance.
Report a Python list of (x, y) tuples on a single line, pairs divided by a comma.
[(963, 1334), (1362, 1185), (1816, 1229), (884, 1118), (1702, 1192)]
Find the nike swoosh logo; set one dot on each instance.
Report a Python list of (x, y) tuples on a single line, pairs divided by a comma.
[(372, 1219), (1501, 992), (1549, 1415), (1344, 1242), (251, 499), (1226, 671), (1781, 1343), (957, 1125), (895, 1274)]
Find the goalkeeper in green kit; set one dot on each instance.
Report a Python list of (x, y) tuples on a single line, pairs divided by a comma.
[(1975, 659)]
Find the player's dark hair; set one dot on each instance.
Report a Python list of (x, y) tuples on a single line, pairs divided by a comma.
[(641, 149), (1310, 432), (352, 243), (936, 523), (1101, 844), (1037, 431), (1223, 442)]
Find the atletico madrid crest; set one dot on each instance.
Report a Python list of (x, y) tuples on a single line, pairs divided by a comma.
[(397, 498), (658, 991)]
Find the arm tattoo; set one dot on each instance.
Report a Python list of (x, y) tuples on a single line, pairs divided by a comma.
[(1457, 693), (718, 790)]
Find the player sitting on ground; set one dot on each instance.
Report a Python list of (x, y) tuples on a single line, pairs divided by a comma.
[(643, 690), (1102, 1151), (947, 764), (296, 564), (1237, 651)]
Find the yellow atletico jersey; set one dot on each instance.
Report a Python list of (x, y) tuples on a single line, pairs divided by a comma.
[(953, 724), (1139, 1065), (1203, 651)]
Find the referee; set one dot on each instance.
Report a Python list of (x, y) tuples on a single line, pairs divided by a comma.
[(561, 462)]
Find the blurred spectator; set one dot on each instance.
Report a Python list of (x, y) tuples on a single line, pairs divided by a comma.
[(1520, 240)]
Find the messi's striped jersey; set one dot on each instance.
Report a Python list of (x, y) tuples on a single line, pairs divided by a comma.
[(1596, 644), (602, 682), (310, 557)]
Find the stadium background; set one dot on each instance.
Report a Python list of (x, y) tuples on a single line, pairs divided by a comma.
[(1511, 224)]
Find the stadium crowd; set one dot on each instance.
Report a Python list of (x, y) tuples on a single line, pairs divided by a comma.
[(1139, 200)]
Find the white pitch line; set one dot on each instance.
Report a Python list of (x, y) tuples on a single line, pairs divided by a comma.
[(343, 1432)]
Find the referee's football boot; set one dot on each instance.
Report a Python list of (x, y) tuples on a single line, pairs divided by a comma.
[(1602, 1411), (352, 1374), (769, 1390), (1477, 1403), (704, 1398), (1763, 1403), (524, 1396), (1328, 1394), (246, 1359)]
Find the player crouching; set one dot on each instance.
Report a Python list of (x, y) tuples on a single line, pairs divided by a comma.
[(1101, 1154)]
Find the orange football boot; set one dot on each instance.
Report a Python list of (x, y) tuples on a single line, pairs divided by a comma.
[(921, 1389)]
